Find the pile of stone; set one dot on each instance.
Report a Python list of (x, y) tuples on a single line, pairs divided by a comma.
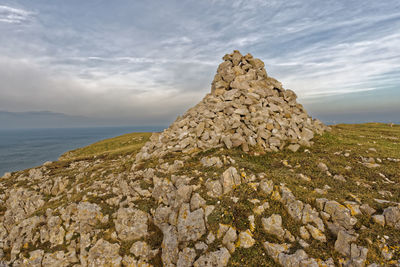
[(246, 108), (97, 212)]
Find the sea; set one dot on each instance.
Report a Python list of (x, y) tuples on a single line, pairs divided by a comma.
[(26, 148)]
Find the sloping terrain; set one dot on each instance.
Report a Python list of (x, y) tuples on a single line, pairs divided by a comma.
[(91, 208), (244, 178)]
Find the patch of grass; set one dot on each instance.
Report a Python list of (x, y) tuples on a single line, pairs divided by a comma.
[(362, 183), (254, 256), (125, 247), (120, 145), (231, 213), (145, 204)]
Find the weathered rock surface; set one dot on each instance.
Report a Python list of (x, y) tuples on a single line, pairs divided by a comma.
[(190, 224), (131, 224), (104, 254), (392, 216), (273, 225)]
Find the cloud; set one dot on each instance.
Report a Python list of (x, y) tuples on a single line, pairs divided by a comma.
[(30, 87), (342, 68), (14, 15), (152, 61)]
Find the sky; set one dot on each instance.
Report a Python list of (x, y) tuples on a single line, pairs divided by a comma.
[(145, 62)]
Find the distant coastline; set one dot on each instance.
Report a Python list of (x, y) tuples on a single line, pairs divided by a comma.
[(26, 148), (23, 148)]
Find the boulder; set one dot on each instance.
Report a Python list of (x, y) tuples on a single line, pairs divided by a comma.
[(104, 253), (131, 224), (392, 216), (273, 225)]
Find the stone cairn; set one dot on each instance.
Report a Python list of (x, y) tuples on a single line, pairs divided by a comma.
[(246, 108)]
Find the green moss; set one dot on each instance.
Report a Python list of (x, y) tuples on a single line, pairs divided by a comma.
[(254, 256), (145, 204), (125, 246)]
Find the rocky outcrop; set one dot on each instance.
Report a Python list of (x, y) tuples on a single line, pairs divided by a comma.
[(246, 108), (201, 209)]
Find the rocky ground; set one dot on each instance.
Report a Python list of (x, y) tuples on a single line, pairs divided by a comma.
[(335, 203), (244, 178)]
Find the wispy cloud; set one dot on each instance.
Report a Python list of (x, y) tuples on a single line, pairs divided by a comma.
[(14, 15), (156, 59), (342, 68)]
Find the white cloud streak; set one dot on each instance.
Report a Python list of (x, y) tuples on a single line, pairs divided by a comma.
[(14, 15), (157, 62)]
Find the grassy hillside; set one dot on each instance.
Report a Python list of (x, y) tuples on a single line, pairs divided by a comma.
[(363, 167), (346, 136), (117, 146), (341, 150)]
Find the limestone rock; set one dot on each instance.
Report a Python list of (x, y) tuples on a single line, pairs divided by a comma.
[(89, 213), (304, 233), (210, 238), (219, 258), (294, 259), (322, 166), (211, 162), (6, 175), (354, 207), (379, 219), (140, 249), (343, 242), (222, 230), (310, 215), (186, 257), (295, 209), (55, 259), (229, 239), (191, 225), (245, 239), (196, 202), (55, 230), (274, 250), (339, 177), (273, 225), (214, 188), (104, 254), (131, 224), (358, 256), (366, 209), (35, 258), (169, 246), (293, 147), (201, 246), (229, 179), (183, 194), (267, 186), (340, 214), (392, 217), (316, 233)]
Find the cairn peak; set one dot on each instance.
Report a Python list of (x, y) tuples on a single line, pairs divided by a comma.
[(246, 108)]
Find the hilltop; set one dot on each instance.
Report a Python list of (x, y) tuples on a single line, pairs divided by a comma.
[(100, 173), (270, 187)]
